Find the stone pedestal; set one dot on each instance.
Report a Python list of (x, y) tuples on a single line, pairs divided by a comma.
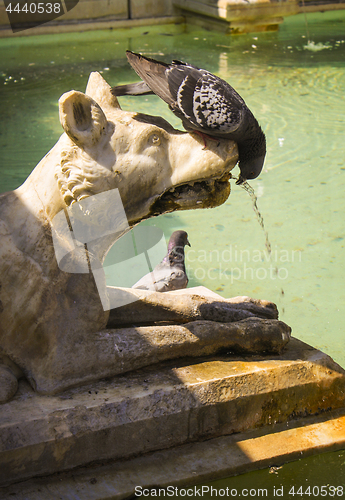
[(168, 406)]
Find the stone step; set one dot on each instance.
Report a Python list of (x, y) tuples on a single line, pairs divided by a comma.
[(162, 407), (190, 466)]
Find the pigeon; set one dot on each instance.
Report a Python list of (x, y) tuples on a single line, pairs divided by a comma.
[(205, 103), (170, 274)]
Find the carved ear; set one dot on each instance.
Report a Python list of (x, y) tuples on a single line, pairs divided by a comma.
[(100, 91), (82, 118)]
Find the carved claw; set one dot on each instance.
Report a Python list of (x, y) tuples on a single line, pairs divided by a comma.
[(228, 311), (248, 336)]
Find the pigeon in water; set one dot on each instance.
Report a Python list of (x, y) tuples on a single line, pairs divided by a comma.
[(205, 103), (170, 274)]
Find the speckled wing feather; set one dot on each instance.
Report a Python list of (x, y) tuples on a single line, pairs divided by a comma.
[(163, 279), (209, 103)]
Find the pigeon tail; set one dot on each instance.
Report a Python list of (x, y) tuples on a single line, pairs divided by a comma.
[(153, 73), (140, 88)]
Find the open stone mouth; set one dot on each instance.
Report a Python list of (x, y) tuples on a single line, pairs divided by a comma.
[(197, 186), (204, 193)]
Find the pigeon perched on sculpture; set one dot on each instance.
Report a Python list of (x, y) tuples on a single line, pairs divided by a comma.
[(170, 273), (205, 103)]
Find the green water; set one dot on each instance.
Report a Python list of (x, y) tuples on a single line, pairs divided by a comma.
[(298, 97)]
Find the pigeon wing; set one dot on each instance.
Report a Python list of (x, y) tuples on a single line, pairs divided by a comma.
[(182, 81), (202, 100), (162, 280), (211, 104)]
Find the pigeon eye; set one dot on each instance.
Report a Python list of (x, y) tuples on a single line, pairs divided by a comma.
[(154, 139)]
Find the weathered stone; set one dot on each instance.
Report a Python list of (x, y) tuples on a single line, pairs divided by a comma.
[(192, 304), (95, 9), (237, 16), (8, 383), (150, 8), (164, 406), (192, 464)]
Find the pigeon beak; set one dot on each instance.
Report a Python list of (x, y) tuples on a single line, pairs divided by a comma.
[(187, 242), (240, 180)]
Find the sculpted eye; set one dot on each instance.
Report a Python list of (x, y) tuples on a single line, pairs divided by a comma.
[(155, 139)]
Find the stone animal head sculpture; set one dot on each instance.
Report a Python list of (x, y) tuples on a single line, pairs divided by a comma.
[(54, 327)]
